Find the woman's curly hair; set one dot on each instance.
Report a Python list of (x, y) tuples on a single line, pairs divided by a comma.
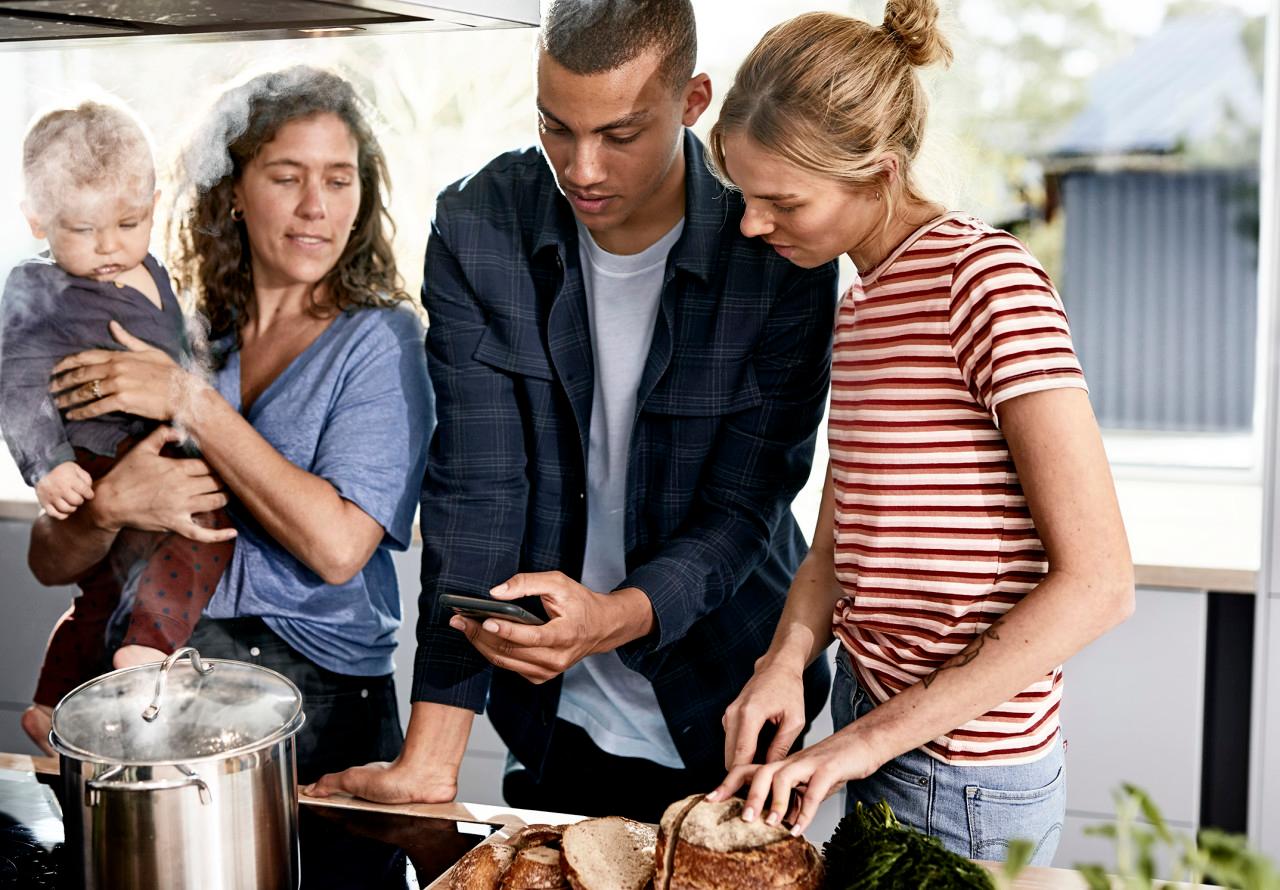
[(213, 251)]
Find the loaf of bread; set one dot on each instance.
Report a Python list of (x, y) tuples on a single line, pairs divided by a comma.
[(698, 846), (608, 854), (528, 860), (706, 846), (537, 835), (482, 867), (535, 868)]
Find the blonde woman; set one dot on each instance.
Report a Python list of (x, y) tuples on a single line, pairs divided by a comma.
[(969, 540)]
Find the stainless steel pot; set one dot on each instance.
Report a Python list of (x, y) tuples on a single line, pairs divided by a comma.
[(182, 776)]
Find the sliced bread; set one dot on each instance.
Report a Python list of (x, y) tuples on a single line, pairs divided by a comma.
[(612, 853)]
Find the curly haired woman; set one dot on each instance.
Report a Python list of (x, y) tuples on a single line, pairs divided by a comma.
[(317, 422)]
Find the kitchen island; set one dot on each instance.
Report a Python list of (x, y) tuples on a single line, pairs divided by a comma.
[(340, 837)]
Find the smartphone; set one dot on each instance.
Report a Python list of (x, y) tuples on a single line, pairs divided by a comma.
[(480, 609)]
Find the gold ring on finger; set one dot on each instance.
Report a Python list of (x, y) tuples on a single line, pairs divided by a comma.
[(95, 389)]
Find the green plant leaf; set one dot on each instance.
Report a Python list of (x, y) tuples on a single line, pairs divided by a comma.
[(1095, 876), (1216, 856), (870, 850), (1018, 857), (1150, 812)]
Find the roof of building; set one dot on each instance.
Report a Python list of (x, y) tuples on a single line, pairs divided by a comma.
[(1183, 85)]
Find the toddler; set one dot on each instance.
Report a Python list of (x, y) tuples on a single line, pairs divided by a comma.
[(89, 186)]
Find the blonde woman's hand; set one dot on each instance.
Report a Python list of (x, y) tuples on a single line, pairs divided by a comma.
[(139, 380), (790, 791), (774, 695)]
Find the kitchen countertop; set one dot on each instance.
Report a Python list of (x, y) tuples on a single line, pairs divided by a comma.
[(397, 825), (342, 844), (1202, 535)]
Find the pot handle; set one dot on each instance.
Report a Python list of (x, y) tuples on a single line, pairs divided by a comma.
[(106, 782), (153, 710)]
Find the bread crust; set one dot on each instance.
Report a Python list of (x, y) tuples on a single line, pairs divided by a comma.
[(774, 865), (537, 835), (535, 868), (669, 826), (790, 863), (537, 856), (482, 867)]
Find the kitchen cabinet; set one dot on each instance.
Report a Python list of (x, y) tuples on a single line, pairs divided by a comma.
[(1265, 783), (1133, 711), (27, 614)]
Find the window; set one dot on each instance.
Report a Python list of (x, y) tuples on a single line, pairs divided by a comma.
[(1069, 123)]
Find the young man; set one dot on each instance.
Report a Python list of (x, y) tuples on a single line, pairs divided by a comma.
[(627, 397)]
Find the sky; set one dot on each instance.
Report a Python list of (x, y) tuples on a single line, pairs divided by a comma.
[(1143, 16)]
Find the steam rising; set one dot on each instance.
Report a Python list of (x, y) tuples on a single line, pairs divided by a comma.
[(98, 151), (207, 160)]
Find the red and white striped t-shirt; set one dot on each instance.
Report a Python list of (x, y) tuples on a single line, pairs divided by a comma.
[(934, 541)]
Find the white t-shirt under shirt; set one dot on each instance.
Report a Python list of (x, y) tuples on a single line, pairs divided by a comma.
[(614, 704)]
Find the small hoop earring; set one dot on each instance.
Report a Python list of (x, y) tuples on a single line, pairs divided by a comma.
[(237, 215)]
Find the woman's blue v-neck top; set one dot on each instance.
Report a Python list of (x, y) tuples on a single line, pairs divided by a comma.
[(354, 408)]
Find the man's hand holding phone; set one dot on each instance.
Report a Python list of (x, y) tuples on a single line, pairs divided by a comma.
[(580, 622)]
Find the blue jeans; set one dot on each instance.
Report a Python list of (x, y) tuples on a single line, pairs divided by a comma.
[(973, 810)]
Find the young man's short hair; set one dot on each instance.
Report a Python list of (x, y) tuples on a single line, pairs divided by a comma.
[(591, 36)]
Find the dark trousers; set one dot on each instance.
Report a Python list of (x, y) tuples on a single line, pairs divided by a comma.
[(350, 721), (581, 779)]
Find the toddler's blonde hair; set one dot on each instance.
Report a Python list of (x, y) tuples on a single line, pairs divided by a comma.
[(93, 146)]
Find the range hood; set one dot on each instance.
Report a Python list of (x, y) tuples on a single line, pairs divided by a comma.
[(46, 24)]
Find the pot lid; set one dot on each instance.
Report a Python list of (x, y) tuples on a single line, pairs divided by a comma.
[(203, 708)]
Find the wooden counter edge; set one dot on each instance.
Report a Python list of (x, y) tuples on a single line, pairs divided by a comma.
[(1193, 578)]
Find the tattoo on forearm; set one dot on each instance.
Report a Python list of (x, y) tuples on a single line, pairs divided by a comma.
[(968, 655)]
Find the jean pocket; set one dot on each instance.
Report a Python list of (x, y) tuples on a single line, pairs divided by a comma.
[(907, 793), (998, 816)]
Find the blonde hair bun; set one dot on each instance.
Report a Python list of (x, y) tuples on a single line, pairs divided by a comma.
[(914, 23)]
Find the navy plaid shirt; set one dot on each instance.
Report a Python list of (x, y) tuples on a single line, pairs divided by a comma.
[(729, 403)]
